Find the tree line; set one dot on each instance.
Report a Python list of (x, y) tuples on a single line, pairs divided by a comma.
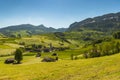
[(103, 49)]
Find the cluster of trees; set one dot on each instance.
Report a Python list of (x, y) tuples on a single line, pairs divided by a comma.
[(33, 48), (41, 48), (62, 37), (116, 35), (103, 50), (19, 36)]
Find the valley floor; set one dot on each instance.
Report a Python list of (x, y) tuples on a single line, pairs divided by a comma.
[(103, 68)]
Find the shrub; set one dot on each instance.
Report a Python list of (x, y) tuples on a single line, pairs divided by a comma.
[(85, 55), (93, 54), (54, 54), (56, 58), (38, 54), (9, 60), (22, 43), (46, 50), (76, 57), (48, 59), (18, 55)]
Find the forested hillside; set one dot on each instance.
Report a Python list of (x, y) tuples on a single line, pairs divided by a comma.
[(106, 23)]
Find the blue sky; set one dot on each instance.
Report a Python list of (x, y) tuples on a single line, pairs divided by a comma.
[(53, 13)]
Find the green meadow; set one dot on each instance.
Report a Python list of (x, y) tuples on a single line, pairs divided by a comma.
[(31, 67), (103, 68)]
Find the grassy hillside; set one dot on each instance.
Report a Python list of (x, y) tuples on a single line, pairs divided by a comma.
[(104, 68), (8, 45)]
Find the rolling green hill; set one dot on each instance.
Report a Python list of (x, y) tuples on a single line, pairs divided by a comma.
[(28, 29)]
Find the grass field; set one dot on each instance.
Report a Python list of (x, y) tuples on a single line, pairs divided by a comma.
[(8, 48), (104, 68)]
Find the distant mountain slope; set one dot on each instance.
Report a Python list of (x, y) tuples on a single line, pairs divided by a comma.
[(28, 29), (103, 23)]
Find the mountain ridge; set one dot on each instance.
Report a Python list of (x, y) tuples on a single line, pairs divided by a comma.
[(29, 29), (107, 21)]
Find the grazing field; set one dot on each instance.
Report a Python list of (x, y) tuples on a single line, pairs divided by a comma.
[(103, 68), (8, 48)]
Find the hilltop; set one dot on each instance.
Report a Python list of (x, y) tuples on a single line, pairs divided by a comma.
[(28, 29)]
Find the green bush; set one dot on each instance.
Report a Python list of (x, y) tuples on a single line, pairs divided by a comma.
[(18, 55)]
